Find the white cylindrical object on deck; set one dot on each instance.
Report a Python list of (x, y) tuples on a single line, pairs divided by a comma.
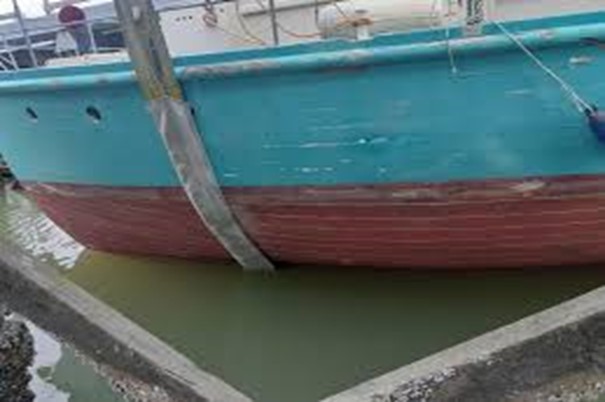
[(381, 16)]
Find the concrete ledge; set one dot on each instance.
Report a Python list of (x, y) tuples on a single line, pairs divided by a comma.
[(555, 355), (39, 292)]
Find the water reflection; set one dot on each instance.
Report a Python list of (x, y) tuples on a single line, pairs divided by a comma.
[(47, 355), (59, 376), (305, 333), (22, 223)]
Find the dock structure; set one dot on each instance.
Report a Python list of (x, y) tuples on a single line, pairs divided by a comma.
[(558, 353), (41, 293), (554, 355)]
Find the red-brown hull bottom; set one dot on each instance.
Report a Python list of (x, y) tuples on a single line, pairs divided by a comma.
[(501, 223)]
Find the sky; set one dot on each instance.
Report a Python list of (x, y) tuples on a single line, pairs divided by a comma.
[(29, 7)]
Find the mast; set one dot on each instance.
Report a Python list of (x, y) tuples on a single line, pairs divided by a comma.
[(273, 16)]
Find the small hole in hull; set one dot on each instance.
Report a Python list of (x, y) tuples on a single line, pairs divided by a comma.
[(31, 113), (93, 113)]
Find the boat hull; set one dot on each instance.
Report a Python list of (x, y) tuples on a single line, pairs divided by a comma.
[(369, 153), (497, 223)]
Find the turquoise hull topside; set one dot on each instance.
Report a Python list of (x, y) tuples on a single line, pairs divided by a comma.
[(386, 110)]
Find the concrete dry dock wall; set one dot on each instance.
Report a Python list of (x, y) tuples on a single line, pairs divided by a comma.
[(555, 355), (39, 292)]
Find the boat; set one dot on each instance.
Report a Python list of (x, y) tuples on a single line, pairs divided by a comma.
[(462, 145)]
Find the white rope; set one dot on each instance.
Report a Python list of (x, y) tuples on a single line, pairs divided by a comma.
[(448, 39), (581, 104), (244, 26), (444, 22)]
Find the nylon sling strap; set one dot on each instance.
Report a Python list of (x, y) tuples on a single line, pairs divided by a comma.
[(174, 121)]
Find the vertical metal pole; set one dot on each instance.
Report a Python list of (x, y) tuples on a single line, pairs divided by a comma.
[(474, 11), (273, 15), (91, 34), (47, 7), (174, 121), (25, 33), (10, 52)]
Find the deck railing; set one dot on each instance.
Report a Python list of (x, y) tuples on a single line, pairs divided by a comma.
[(32, 42), (26, 38)]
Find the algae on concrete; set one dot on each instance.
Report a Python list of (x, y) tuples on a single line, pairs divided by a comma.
[(16, 355)]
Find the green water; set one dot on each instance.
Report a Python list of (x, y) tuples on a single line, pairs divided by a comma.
[(58, 375), (304, 333), (80, 381)]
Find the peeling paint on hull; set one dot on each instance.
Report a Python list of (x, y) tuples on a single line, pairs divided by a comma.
[(497, 223)]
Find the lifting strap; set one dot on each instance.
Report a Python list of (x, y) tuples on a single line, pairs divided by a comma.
[(174, 120)]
